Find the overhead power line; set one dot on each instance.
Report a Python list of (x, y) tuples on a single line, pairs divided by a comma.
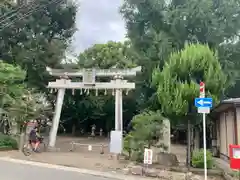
[(31, 10), (13, 12)]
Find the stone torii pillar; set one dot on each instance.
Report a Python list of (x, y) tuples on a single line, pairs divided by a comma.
[(56, 118), (118, 106), (57, 114)]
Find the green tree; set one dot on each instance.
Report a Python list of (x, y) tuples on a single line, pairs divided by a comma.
[(156, 28), (147, 130), (37, 40), (109, 55), (11, 83), (30, 106), (11, 89), (178, 82), (19, 103), (81, 110), (230, 54)]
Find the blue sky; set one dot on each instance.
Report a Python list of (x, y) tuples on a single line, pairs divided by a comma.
[(97, 21)]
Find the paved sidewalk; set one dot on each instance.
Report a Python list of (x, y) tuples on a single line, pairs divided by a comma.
[(93, 161), (13, 169), (72, 159), (90, 163), (223, 165)]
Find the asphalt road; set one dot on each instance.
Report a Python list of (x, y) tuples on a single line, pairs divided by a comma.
[(18, 171)]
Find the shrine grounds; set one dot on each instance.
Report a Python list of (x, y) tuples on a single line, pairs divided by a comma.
[(95, 160)]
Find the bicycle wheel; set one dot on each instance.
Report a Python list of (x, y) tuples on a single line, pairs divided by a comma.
[(26, 151)]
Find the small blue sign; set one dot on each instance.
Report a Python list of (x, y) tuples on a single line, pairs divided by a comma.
[(203, 102)]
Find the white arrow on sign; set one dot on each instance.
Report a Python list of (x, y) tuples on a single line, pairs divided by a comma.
[(201, 102), (207, 102)]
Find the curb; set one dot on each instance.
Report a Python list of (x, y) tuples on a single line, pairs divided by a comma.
[(112, 175), (6, 148)]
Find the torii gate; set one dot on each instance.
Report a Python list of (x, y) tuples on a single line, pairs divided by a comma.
[(89, 76)]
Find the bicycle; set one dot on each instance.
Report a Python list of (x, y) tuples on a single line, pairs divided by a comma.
[(28, 149)]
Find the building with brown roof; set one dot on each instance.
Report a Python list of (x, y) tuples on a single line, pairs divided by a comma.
[(226, 126)]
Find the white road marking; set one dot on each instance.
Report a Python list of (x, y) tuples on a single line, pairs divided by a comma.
[(72, 169)]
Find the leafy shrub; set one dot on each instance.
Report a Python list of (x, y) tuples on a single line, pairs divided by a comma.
[(127, 144), (235, 174), (7, 141), (198, 159), (146, 132)]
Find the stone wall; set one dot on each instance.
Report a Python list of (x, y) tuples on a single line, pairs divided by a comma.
[(166, 139)]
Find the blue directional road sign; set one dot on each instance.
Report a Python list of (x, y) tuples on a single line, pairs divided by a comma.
[(203, 102)]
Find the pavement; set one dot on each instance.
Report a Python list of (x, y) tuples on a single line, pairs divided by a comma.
[(15, 169)]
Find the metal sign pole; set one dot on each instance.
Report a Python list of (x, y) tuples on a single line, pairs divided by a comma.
[(202, 95), (204, 146), (204, 104)]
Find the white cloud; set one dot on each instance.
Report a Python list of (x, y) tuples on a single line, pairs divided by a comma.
[(98, 21), (115, 26)]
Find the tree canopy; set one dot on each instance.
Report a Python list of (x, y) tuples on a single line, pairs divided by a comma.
[(17, 101), (178, 83), (109, 55), (11, 81), (33, 36), (157, 28), (38, 39)]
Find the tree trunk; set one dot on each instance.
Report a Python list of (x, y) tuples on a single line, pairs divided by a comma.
[(188, 158), (21, 141), (73, 129), (192, 143), (196, 138)]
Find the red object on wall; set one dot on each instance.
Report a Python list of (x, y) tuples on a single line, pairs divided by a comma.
[(234, 154)]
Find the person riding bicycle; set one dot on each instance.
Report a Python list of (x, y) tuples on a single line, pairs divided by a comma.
[(34, 137)]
